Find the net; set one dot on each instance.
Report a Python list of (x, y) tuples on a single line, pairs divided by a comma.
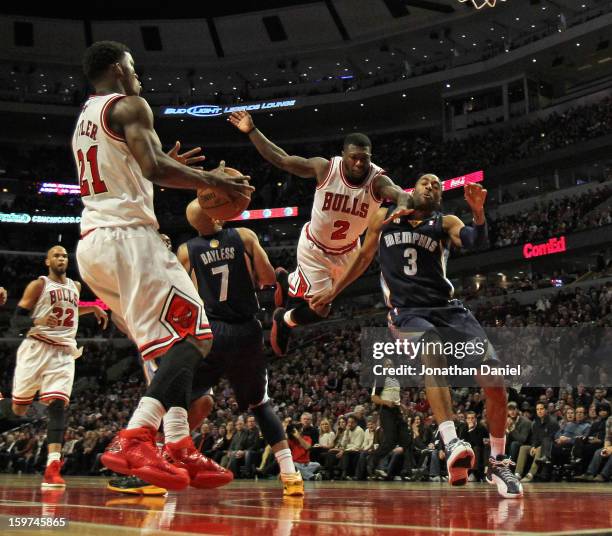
[(479, 4)]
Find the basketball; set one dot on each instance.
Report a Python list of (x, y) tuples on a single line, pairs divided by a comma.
[(218, 205)]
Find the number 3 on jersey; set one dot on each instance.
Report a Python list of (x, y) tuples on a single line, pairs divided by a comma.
[(98, 184), (411, 257)]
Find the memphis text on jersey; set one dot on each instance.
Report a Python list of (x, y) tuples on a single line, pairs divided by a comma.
[(452, 370), (408, 237), (342, 203)]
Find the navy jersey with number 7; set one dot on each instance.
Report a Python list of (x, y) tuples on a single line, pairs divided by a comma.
[(223, 277)]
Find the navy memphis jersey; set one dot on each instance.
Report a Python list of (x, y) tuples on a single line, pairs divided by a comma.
[(412, 256), (223, 278)]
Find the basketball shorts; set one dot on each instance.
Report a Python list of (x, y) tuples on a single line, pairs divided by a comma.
[(451, 323), (237, 354), (317, 268), (44, 369), (151, 296)]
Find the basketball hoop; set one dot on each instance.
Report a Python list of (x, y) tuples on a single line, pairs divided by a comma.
[(479, 4)]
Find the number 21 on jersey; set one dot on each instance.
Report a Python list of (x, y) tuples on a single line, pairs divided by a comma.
[(94, 176)]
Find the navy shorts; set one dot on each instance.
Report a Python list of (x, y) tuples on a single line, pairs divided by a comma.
[(450, 323), (238, 354)]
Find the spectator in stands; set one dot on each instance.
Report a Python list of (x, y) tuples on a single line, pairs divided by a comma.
[(600, 468), (300, 446), (517, 431), (3, 295), (475, 434), (585, 447), (543, 430), (366, 450), (422, 443), (582, 397), (359, 415), (327, 438), (569, 429), (308, 429), (204, 441)]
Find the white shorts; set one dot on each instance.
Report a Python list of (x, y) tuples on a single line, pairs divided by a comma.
[(317, 269), (43, 368), (149, 292)]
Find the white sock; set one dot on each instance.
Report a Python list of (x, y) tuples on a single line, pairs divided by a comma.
[(285, 461), (498, 446), (287, 319), (176, 426), (447, 431), (53, 457), (148, 413)]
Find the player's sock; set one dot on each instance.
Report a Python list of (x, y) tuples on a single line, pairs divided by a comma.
[(53, 457), (176, 426), (498, 446), (285, 461), (302, 315), (148, 413), (288, 320), (447, 431)]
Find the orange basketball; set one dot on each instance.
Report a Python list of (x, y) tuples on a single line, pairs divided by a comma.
[(218, 205)]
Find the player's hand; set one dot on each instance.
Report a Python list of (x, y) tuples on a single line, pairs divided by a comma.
[(3, 295), (475, 195), (398, 213), (49, 321), (230, 184), (100, 315), (242, 121), (187, 159), (321, 301)]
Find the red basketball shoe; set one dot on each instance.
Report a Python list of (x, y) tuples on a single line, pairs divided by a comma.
[(52, 478), (134, 452), (204, 473)]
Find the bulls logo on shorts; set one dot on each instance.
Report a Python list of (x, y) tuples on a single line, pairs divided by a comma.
[(181, 315)]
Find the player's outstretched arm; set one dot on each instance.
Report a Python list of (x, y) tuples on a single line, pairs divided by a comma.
[(385, 188), (306, 168), (469, 236), (133, 116), (264, 271), (95, 310), (357, 267), (21, 317)]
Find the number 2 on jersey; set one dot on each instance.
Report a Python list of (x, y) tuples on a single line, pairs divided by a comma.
[(411, 256), (98, 184), (224, 271), (341, 226)]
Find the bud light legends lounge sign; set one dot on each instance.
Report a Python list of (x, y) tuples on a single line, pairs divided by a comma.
[(212, 110)]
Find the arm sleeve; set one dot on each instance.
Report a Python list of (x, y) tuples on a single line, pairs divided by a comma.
[(474, 237), (21, 319)]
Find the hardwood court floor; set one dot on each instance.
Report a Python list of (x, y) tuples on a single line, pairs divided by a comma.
[(361, 508)]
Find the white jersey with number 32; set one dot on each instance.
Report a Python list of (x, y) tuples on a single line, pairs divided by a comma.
[(113, 189), (341, 211), (62, 301)]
